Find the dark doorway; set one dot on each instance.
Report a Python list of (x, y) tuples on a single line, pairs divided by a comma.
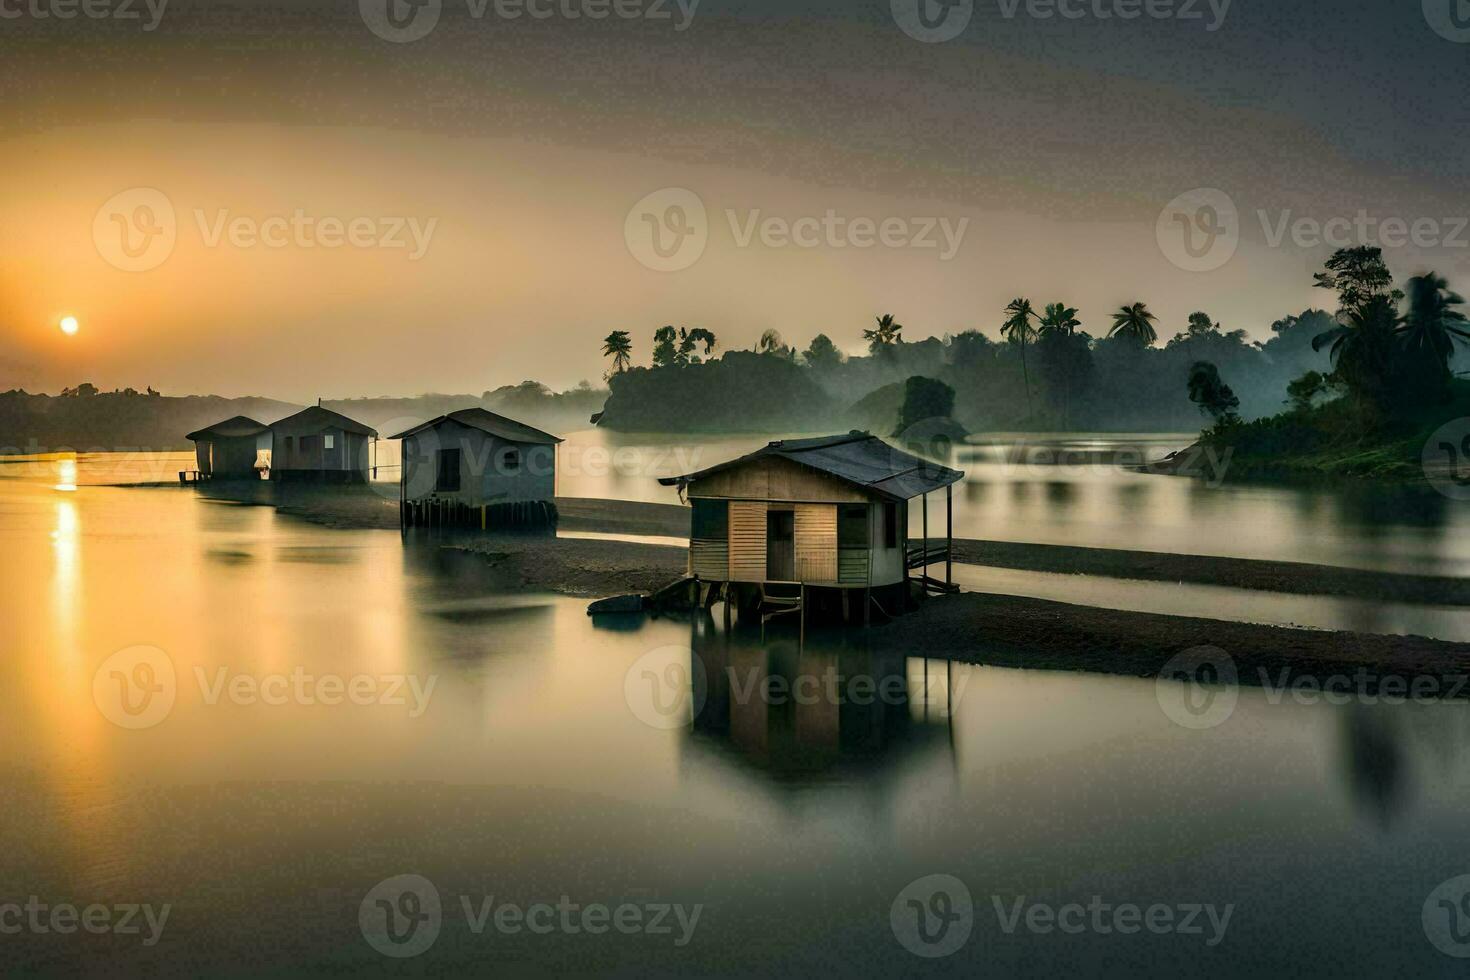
[(780, 546)]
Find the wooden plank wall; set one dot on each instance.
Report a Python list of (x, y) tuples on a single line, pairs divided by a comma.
[(710, 560), (776, 479), (816, 543), (854, 566), (747, 541)]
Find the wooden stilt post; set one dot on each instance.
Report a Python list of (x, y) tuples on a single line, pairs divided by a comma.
[(801, 637), (925, 545), (949, 536)]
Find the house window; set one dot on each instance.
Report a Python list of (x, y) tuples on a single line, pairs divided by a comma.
[(290, 444), (448, 481), (711, 520), (308, 443), (511, 461), (329, 442), (852, 526), (890, 525)]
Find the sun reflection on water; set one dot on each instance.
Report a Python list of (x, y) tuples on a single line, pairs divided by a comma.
[(66, 472)]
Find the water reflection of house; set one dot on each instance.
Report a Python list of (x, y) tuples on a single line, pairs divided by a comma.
[(230, 449), (797, 711), (831, 514), (476, 467), (320, 444)]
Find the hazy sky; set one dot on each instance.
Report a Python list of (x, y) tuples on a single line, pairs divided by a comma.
[(169, 187)]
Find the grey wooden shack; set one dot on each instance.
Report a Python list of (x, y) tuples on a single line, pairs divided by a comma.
[(320, 444), (475, 468), (229, 450)]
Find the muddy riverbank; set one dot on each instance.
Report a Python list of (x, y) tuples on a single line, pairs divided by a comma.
[(1036, 634)]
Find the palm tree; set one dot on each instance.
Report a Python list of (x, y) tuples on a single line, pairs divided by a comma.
[(1362, 346), (689, 340), (1059, 318), (1060, 321), (885, 336), (1018, 330), (618, 346), (1136, 322), (665, 350), (1433, 324)]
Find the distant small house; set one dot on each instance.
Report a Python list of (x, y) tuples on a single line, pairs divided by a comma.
[(479, 469), (230, 450), (830, 513), (319, 444)]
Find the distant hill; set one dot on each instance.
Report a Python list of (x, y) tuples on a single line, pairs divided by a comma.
[(87, 420), (84, 419)]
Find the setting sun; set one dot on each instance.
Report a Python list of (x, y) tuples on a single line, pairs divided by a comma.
[(69, 325)]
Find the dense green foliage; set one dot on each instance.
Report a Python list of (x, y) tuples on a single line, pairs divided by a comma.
[(1051, 375), (924, 399), (1391, 367)]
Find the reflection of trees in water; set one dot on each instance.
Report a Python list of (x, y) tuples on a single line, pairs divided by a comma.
[(1376, 509), (1061, 495), (1374, 763), (1390, 749)]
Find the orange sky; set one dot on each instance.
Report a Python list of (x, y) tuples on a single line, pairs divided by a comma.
[(524, 149)]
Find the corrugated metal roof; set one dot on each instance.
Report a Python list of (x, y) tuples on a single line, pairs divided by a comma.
[(497, 425), (239, 426), (315, 419), (858, 458)]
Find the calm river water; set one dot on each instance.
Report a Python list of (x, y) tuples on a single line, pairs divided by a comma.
[(257, 721)]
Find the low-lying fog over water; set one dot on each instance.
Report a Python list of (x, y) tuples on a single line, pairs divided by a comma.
[(332, 708)]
